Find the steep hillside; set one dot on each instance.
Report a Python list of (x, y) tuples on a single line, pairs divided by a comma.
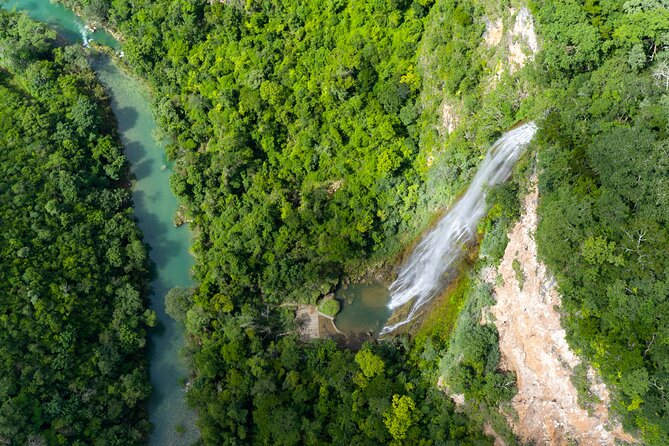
[(533, 346), (600, 74), (603, 209)]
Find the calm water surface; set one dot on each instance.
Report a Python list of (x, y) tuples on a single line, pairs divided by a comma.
[(364, 309), (155, 206)]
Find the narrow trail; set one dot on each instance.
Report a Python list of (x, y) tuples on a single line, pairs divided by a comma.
[(533, 345)]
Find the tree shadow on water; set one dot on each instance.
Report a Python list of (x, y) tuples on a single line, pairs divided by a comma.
[(153, 227), (142, 169), (127, 118), (134, 151), (165, 374)]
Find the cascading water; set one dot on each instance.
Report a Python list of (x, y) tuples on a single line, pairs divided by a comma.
[(420, 278), (85, 38)]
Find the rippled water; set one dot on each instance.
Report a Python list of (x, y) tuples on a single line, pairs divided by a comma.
[(365, 309)]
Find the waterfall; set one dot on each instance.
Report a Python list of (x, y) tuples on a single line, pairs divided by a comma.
[(420, 278)]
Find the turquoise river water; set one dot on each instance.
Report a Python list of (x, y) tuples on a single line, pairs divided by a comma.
[(155, 206)]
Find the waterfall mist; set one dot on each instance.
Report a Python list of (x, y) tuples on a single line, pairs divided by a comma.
[(420, 278)]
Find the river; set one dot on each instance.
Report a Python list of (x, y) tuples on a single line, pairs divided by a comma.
[(155, 206)]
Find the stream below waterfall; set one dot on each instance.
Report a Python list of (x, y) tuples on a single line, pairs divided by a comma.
[(154, 207)]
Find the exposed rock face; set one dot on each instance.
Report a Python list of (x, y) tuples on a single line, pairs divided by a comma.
[(517, 56), (519, 43), (334, 186), (449, 117), (533, 345), (493, 32), (510, 41), (522, 41), (523, 28), (499, 441)]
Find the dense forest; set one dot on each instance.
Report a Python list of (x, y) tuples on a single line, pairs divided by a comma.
[(604, 186), (73, 273), (310, 146), (304, 135), (296, 131)]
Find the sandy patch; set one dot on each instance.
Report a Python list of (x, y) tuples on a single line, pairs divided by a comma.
[(306, 319), (533, 345), (312, 324)]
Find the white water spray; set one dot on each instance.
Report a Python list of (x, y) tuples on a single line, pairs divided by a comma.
[(420, 278), (85, 39)]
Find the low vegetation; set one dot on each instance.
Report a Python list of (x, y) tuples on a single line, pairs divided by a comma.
[(520, 274), (586, 397), (330, 307)]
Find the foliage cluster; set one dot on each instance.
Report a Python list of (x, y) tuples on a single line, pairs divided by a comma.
[(293, 126), (73, 269), (604, 191), (301, 130), (470, 365), (280, 392), (329, 307)]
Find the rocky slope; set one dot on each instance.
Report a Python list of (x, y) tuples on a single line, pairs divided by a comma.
[(533, 345)]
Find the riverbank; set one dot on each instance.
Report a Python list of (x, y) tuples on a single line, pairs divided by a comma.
[(91, 23), (75, 273), (154, 208)]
